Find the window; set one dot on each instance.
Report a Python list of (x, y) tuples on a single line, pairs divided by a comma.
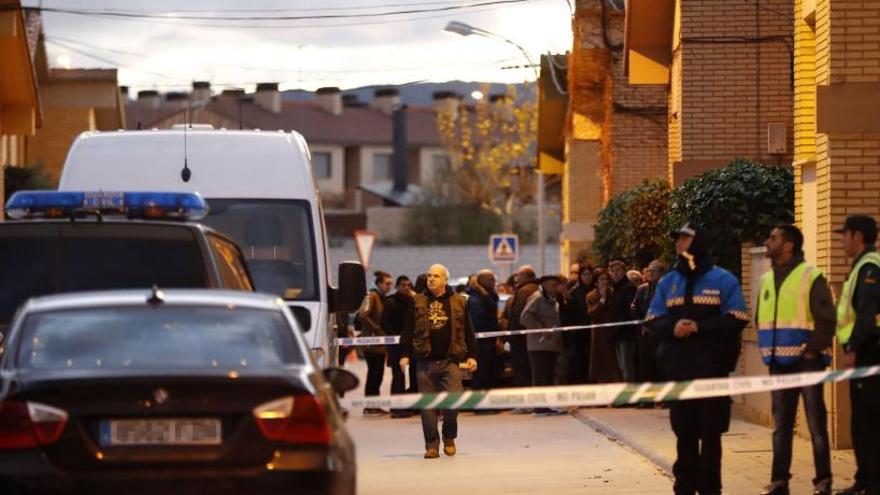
[(231, 265), (322, 163), (277, 241), (441, 164), (382, 166)]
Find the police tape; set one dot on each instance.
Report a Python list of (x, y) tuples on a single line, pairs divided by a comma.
[(617, 394), (395, 339)]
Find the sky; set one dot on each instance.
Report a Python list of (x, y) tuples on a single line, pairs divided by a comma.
[(168, 51)]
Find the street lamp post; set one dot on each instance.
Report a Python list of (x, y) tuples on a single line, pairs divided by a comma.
[(464, 29)]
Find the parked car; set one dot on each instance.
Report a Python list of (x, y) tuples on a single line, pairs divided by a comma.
[(66, 242), (262, 194), (181, 391)]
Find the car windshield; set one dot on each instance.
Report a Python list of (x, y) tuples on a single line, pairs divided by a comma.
[(163, 337), (277, 240)]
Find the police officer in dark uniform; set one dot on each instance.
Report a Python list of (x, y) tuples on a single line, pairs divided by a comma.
[(697, 313), (858, 331)]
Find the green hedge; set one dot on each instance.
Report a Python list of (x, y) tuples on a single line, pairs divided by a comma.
[(738, 203), (632, 226)]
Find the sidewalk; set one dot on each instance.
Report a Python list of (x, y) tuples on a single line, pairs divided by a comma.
[(748, 451)]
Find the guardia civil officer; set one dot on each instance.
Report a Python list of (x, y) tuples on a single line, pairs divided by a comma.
[(697, 313), (796, 321), (858, 331)]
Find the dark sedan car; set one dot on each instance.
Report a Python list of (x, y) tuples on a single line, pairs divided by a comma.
[(179, 391)]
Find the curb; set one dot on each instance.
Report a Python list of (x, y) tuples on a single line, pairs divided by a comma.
[(627, 439)]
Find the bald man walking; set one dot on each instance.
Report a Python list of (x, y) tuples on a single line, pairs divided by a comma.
[(439, 336)]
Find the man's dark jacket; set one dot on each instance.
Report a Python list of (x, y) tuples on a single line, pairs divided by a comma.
[(712, 351), (620, 310), (865, 338), (415, 341), (523, 292), (483, 308)]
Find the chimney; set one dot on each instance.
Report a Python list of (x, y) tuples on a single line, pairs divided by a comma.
[(330, 99), (352, 100), (123, 90), (268, 98), (232, 94), (399, 156), (176, 100), (149, 98), (500, 103), (201, 91), (386, 100), (446, 102)]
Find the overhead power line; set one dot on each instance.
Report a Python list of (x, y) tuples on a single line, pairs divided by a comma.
[(66, 42), (311, 9), (299, 26), (273, 18)]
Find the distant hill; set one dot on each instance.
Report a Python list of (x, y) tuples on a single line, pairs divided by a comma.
[(417, 94)]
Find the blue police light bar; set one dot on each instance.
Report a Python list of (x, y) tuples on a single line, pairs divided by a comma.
[(62, 204)]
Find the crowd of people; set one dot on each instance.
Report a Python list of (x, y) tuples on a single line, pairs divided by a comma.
[(680, 324), (587, 295)]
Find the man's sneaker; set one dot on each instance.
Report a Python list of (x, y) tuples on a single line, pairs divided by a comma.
[(856, 489), (776, 488), (432, 454), (449, 447), (822, 487), (372, 411)]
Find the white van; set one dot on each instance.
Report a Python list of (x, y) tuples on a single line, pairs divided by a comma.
[(261, 193)]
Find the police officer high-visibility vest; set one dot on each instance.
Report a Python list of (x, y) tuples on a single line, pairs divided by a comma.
[(846, 314), (785, 321)]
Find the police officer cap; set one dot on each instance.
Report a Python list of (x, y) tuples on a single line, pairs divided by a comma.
[(860, 223)]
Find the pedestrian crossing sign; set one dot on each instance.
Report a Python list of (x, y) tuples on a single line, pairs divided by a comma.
[(504, 248)]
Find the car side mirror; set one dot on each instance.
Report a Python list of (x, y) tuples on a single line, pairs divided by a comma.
[(341, 379), (352, 288)]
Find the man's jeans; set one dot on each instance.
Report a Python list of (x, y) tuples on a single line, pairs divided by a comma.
[(438, 376), (626, 359), (785, 405)]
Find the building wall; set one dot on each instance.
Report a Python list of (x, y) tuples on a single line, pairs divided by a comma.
[(837, 173), (616, 133), (638, 133), (50, 143), (735, 72)]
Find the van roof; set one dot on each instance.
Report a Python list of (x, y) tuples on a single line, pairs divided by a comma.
[(224, 163)]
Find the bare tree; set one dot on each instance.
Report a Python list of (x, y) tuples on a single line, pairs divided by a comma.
[(492, 145)]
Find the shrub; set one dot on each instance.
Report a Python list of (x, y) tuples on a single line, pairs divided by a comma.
[(738, 203), (632, 226)]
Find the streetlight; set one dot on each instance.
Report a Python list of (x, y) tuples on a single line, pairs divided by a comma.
[(464, 29)]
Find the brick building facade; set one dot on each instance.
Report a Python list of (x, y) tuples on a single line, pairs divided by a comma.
[(837, 145), (20, 113), (616, 137)]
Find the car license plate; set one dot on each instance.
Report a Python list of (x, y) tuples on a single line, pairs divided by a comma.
[(177, 431)]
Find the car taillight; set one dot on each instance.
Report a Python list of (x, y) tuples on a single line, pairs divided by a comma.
[(29, 424), (294, 419)]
